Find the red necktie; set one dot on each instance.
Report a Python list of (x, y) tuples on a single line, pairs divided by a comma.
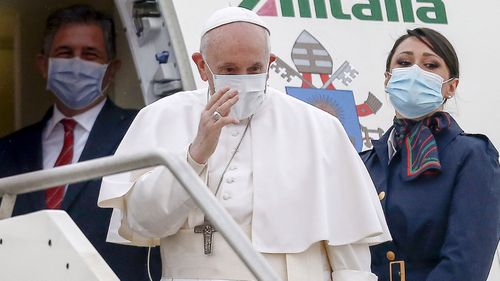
[(54, 195)]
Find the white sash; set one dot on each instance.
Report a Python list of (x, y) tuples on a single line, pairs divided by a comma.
[(183, 258)]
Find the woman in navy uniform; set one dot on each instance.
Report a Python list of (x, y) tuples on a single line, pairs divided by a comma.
[(439, 187)]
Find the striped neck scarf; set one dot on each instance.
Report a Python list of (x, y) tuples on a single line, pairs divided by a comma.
[(418, 147)]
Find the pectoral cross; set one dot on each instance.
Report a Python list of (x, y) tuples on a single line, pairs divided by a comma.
[(208, 230)]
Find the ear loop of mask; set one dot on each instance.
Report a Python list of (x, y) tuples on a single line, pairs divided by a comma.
[(267, 76), (448, 96), (106, 87), (445, 98), (211, 73), (385, 88), (208, 67), (447, 81)]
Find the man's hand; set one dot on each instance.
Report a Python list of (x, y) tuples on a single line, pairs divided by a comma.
[(210, 126)]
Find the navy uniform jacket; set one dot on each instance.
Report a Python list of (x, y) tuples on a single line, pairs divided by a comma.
[(445, 227), (21, 152)]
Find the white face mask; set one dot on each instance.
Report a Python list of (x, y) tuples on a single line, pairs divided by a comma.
[(414, 92), (251, 91)]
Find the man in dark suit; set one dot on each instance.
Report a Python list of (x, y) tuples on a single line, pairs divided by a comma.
[(78, 60)]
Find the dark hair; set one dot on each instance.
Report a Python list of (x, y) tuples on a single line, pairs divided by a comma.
[(80, 14), (436, 42)]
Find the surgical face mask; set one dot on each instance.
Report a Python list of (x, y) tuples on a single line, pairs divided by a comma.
[(251, 91), (414, 92), (75, 82)]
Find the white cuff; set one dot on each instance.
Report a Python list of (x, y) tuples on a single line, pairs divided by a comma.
[(197, 167)]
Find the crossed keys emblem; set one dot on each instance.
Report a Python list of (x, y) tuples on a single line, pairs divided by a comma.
[(310, 57)]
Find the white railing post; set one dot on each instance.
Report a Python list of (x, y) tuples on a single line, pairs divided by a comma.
[(83, 171), (7, 205)]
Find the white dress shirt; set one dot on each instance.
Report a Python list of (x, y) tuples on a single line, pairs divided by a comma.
[(391, 145), (53, 134)]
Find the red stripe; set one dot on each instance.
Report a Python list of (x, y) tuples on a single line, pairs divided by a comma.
[(430, 137)]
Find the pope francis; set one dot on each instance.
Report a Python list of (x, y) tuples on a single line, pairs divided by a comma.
[(284, 170)]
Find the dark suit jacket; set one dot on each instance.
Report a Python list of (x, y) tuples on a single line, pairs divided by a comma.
[(445, 226), (21, 152)]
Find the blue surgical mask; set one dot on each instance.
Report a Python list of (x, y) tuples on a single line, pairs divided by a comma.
[(414, 92), (75, 82)]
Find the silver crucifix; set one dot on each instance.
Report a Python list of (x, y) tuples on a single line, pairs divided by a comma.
[(208, 230)]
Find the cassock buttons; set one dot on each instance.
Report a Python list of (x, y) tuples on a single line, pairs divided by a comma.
[(381, 196), (390, 255), (230, 180)]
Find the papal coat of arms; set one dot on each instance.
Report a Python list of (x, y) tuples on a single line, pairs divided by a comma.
[(311, 58)]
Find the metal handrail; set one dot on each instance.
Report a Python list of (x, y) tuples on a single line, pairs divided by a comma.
[(87, 170)]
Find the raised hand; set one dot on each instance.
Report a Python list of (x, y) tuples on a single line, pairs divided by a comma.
[(213, 118)]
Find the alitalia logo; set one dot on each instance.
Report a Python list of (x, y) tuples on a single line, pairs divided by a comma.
[(426, 11)]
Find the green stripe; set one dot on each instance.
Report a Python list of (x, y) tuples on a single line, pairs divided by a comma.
[(287, 8), (249, 4), (431, 143), (320, 8), (392, 10), (304, 8)]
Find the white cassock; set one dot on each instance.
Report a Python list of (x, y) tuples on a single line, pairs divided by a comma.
[(296, 186)]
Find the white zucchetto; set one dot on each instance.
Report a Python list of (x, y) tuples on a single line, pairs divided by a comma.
[(230, 15)]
